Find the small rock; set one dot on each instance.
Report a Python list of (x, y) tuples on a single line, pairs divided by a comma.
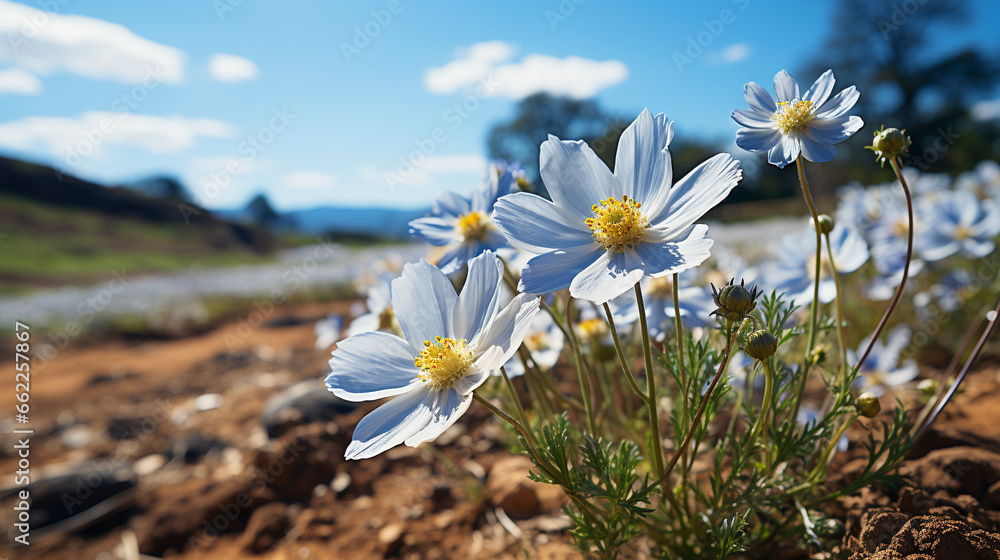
[(340, 483), (193, 447), (303, 403), (267, 526), (149, 464), (390, 538), (509, 488), (208, 401)]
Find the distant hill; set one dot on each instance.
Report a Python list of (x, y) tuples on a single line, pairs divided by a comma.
[(57, 229)]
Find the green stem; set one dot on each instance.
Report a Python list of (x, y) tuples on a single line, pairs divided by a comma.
[(621, 356), (523, 417), (828, 452), (765, 405), (652, 400), (906, 267), (578, 357), (814, 308), (704, 402), (840, 314)]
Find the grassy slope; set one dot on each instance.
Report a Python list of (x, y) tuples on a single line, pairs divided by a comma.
[(44, 245)]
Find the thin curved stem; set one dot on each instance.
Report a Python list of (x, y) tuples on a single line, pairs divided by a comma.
[(581, 376), (701, 409), (906, 267), (831, 447), (765, 405), (961, 376), (523, 417), (652, 400), (621, 356), (814, 308)]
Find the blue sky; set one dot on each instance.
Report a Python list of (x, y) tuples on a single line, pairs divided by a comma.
[(320, 103)]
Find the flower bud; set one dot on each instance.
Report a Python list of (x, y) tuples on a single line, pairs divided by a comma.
[(825, 223), (760, 345), (734, 302), (889, 143), (867, 405)]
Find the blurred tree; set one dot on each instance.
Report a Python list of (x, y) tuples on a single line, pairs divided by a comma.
[(261, 212), (541, 114), (906, 81), (163, 186)]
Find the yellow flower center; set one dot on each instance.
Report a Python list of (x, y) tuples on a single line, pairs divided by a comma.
[(443, 361), (591, 330), (825, 270), (537, 342), (792, 116), (662, 287), (901, 228), (474, 226), (387, 320), (962, 233), (617, 224)]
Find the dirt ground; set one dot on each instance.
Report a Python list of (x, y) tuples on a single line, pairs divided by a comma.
[(161, 448)]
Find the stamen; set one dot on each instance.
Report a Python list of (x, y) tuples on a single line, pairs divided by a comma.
[(474, 226), (617, 224), (443, 362), (792, 116)]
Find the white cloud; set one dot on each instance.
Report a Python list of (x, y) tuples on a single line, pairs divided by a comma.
[(47, 42), (730, 55), (471, 64), (19, 82), (572, 76), (91, 131), (308, 180), (986, 110), (231, 68), (427, 170)]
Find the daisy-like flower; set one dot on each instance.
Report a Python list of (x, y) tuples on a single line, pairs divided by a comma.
[(809, 124), (881, 369), (959, 223), (461, 224), (603, 231), (379, 316), (452, 344), (696, 305), (794, 272)]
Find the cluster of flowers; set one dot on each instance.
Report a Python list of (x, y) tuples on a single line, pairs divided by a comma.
[(602, 232)]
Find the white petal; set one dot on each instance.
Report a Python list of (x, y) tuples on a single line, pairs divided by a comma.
[(371, 366), (555, 270), (423, 300), (392, 423), (452, 204), (833, 131), (698, 192), (448, 407), (820, 90), (816, 151), (753, 119), (757, 139), (508, 329), (849, 248), (607, 277), (478, 302), (838, 105), (436, 231), (689, 249), (758, 98), (574, 176), (642, 162), (785, 87), (537, 225)]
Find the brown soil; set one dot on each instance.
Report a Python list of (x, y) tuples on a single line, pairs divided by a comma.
[(125, 404)]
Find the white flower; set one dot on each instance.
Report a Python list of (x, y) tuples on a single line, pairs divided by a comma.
[(809, 124), (452, 344)]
